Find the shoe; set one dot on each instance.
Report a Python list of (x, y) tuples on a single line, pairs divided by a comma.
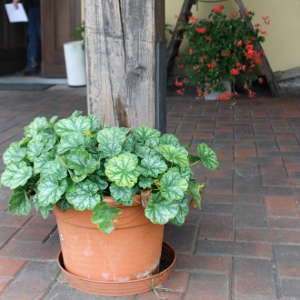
[(27, 72)]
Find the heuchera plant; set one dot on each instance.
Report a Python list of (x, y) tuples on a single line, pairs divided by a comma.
[(221, 48), (74, 163)]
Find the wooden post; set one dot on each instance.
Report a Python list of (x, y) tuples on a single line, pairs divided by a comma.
[(120, 56), (264, 61)]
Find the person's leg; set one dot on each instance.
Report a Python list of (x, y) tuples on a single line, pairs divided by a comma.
[(34, 35)]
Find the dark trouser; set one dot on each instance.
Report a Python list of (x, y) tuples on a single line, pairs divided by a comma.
[(34, 35)]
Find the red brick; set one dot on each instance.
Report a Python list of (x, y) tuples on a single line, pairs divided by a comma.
[(290, 288), (32, 282), (10, 267), (181, 238), (245, 151), (281, 206), (253, 277), (272, 170), (6, 233), (293, 170), (15, 249), (177, 282), (37, 229), (268, 235), (4, 282), (287, 260), (214, 226), (208, 287), (284, 222), (212, 208), (6, 219), (233, 249), (203, 263), (161, 294), (262, 190), (219, 198)]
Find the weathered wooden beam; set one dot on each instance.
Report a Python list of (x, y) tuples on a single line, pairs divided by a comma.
[(175, 42), (287, 74), (120, 56), (264, 61)]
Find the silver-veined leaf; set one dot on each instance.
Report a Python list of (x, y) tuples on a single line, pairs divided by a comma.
[(173, 185), (19, 203), (144, 133), (64, 204), (145, 182), (170, 153), (16, 175), (194, 190), (34, 149), (74, 124), (85, 195), (182, 213), (54, 168), (122, 170), (110, 141), (94, 120), (160, 210), (152, 166), (40, 162), (71, 141), (169, 139), (45, 210), (100, 181), (14, 153), (35, 127), (122, 195), (104, 216), (208, 157), (50, 190)]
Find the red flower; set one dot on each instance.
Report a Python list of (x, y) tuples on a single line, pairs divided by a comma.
[(191, 51), (267, 22), (256, 25), (251, 94), (176, 17), (177, 83), (262, 31), (244, 68), (240, 43), (226, 54), (180, 92), (218, 9), (234, 72), (204, 57), (213, 64), (207, 38), (208, 65), (247, 12), (201, 30), (223, 96), (234, 15), (238, 64), (181, 27), (261, 80)]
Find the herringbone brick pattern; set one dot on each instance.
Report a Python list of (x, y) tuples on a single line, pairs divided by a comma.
[(244, 244)]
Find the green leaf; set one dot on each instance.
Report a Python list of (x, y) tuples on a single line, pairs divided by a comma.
[(35, 127), (152, 142), (50, 144), (193, 158), (93, 122), (19, 203), (170, 153), (80, 161), (169, 139), (145, 182), (128, 145), (208, 157), (76, 178), (34, 149), (49, 133), (100, 181), (144, 133), (122, 170), (182, 213), (24, 141), (71, 141), (14, 153), (40, 162), (50, 190), (110, 141), (16, 175), (122, 195), (54, 168), (64, 204), (160, 210), (52, 121), (185, 173), (45, 210), (172, 185), (104, 216), (193, 189), (74, 124), (152, 166), (85, 195), (144, 151)]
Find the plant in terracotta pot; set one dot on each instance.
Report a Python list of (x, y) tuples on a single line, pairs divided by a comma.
[(127, 182), (221, 48)]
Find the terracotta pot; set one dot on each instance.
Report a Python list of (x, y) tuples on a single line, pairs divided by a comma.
[(131, 251)]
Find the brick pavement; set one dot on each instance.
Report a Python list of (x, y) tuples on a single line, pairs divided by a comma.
[(244, 244)]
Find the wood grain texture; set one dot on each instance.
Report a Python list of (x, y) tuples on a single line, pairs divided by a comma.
[(120, 56)]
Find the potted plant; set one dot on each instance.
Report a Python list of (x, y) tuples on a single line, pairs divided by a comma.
[(75, 58), (127, 182), (221, 50)]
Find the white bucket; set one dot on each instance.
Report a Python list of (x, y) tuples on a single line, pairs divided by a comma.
[(75, 63), (215, 95)]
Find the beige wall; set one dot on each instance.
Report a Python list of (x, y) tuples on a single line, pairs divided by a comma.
[(283, 33)]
